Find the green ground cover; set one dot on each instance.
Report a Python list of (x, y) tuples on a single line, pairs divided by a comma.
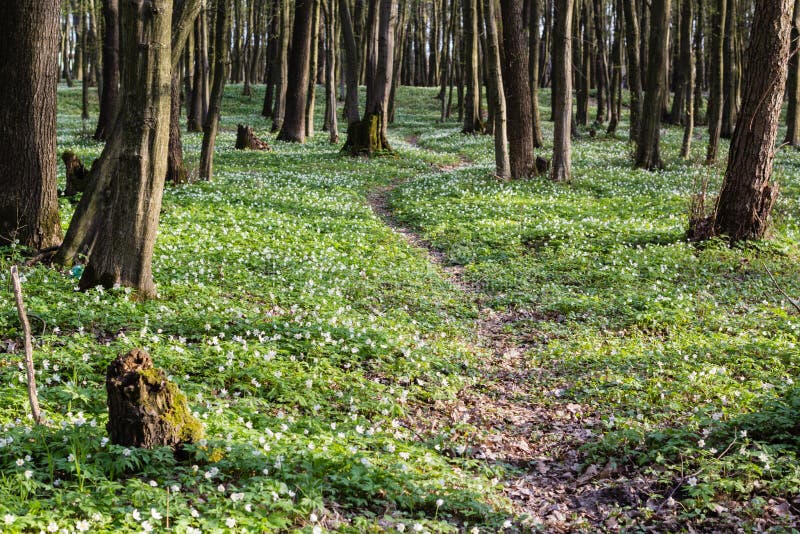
[(306, 333)]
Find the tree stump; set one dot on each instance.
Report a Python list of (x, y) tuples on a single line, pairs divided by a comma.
[(247, 140), (144, 408), (77, 173)]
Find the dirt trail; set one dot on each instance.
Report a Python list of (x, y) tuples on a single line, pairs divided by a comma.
[(511, 425)]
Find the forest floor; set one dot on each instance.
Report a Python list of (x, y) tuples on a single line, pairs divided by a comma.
[(408, 344)]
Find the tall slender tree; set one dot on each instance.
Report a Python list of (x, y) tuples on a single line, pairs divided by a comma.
[(29, 70), (715, 79), (648, 155), (117, 218), (747, 194), (793, 85), (211, 124), (472, 104), (294, 121), (515, 82), (632, 38), (502, 162), (562, 99), (110, 93)]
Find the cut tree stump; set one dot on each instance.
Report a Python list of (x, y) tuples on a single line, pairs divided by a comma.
[(246, 139), (144, 408), (77, 173)]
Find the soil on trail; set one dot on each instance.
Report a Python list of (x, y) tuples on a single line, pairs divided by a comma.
[(519, 424)]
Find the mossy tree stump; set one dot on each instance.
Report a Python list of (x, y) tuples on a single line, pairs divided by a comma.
[(144, 408), (365, 137)]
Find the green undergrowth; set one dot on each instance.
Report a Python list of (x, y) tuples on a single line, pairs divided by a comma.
[(304, 332), (686, 352)]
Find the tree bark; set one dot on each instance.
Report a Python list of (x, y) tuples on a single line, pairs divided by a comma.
[(211, 125), (515, 82), (368, 136), (648, 154), (615, 91), (730, 99), (684, 65), (110, 92), (715, 80), (501, 156), (793, 84), (29, 70), (294, 121), (472, 105), (117, 218), (312, 69), (533, 67), (562, 100), (632, 38), (145, 409), (351, 65), (688, 59), (747, 194), (331, 67)]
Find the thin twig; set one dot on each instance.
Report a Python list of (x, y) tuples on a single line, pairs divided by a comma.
[(791, 300), (28, 342)]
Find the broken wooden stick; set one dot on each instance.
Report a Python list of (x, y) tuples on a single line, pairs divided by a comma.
[(790, 299), (28, 344)]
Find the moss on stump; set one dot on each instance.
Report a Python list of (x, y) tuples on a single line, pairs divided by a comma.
[(364, 138), (144, 408)]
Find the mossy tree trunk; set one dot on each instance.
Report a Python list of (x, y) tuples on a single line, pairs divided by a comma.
[(368, 136), (747, 195), (29, 74)]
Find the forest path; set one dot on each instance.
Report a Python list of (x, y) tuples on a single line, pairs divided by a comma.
[(511, 425)]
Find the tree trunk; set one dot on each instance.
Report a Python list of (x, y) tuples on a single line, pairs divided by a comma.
[(330, 66), (647, 147), (515, 82), (110, 92), (699, 63), (294, 121), (351, 65), (117, 218), (793, 85), (196, 115), (562, 100), (632, 38), (272, 57), (29, 70), (533, 67), (747, 195), (730, 98), (77, 174), (472, 104), (368, 136), (176, 170), (85, 81), (583, 64), (602, 62), (684, 65), (686, 56), (615, 91), (312, 69), (715, 80), (211, 125), (145, 409), (501, 156)]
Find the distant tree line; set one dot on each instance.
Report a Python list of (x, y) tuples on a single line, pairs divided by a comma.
[(725, 64)]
